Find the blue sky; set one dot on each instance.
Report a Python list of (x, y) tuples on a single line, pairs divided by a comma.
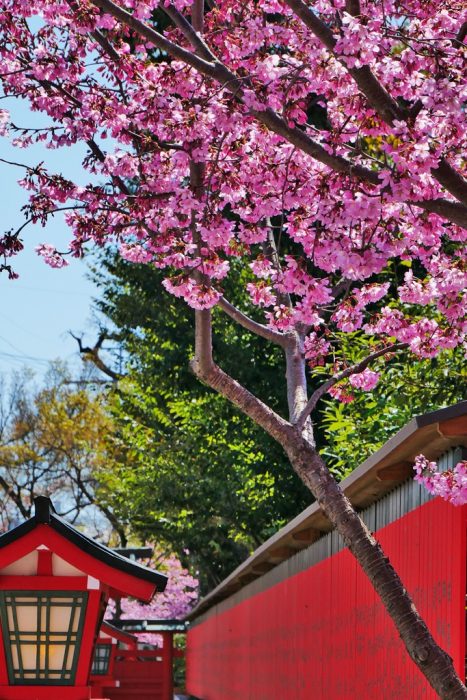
[(38, 309)]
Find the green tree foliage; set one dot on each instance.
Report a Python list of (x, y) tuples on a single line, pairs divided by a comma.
[(54, 439), (203, 478), (198, 475), (354, 431)]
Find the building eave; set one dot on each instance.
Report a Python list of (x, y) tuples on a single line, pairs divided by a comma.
[(431, 434)]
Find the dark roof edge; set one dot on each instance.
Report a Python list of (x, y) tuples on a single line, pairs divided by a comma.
[(45, 514), (110, 629), (421, 421), (106, 555), (417, 422), (454, 411)]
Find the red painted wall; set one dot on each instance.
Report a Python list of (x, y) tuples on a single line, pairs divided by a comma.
[(323, 635)]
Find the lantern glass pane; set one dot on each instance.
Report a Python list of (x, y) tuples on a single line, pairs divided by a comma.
[(101, 662), (42, 635)]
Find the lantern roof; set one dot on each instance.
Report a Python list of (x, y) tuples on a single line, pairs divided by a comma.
[(123, 575), (113, 632)]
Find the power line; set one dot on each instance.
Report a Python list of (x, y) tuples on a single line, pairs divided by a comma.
[(30, 358), (51, 291)]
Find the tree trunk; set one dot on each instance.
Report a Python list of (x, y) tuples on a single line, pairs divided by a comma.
[(434, 663)]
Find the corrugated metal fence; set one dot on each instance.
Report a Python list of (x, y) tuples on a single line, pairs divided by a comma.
[(393, 505)]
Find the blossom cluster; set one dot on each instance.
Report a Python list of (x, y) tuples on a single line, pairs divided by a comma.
[(306, 178), (450, 485), (180, 595), (51, 255)]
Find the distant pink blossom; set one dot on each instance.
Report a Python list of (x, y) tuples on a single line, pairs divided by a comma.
[(179, 597), (451, 485), (4, 122), (51, 255)]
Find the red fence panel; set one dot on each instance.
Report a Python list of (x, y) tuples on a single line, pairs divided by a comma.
[(142, 675), (323, 634)]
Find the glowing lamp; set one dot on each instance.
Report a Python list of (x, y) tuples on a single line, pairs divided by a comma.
[(101, 661), (54, 587)]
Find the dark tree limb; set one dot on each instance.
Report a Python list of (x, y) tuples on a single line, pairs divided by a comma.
[(354, 369), (91, 354), (16, 498), (230, 81), (257, 328)]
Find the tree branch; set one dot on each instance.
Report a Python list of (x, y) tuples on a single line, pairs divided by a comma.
[(189, 32), (111, 517), (230, 81), (197, 16), (92, 355), (9, 491), (210, 374), (378, 97), (248, 323), (353, 7), (461, 34), (354, 369)]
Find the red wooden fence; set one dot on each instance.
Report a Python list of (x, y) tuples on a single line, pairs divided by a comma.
[(141, 674), (323, 634)]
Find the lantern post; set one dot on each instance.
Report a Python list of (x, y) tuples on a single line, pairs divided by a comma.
[(54, 586)]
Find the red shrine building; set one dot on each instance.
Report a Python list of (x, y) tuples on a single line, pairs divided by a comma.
[(299, 620), (54, 586)]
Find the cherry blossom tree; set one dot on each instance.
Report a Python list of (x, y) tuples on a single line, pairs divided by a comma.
[(320, 147), (174, 603)]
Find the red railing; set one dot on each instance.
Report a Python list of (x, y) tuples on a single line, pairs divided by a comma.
[(142, 674)]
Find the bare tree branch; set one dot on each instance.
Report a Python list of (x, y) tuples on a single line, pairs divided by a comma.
[(461, 34), (353, 7), (253, 326), (10, 493), (91, 354), (197, 15), (210, 374), (354, 369), (109, 514)]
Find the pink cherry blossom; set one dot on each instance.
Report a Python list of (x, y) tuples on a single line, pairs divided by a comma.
[(366, 380), (319, 193), (51, 255), (180, 595), (450, 485), (4, 122), (315, 348), (135, 253), (342, 393)]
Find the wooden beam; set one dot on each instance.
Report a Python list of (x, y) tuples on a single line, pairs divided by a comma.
[(280, 553), (306, 536), (262, 567), (395, 472), (453, 427)]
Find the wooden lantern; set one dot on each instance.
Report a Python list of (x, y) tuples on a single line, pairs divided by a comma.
[(54, 586)]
